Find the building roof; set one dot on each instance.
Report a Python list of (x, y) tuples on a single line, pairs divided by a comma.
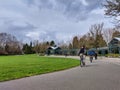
[(54, 47), (118, 38)]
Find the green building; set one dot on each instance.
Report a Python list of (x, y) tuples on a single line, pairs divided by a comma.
[(53, 50), (114, 45)]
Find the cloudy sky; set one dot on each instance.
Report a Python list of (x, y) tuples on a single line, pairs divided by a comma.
[(46, 20)]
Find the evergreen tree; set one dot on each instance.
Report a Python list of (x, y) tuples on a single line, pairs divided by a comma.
[(52, 43), (75, 42)]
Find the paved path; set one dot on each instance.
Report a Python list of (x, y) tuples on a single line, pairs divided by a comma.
[(100, 75)]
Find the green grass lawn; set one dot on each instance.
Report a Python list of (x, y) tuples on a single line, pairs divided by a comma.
[(14, 67)]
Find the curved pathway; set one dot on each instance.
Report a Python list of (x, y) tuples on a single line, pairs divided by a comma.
[(102, 74)]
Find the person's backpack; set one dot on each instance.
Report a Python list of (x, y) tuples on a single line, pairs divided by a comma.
[(91, 53)]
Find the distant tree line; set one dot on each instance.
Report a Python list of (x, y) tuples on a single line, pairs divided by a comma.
[(97, 37), (37, 47), (9, 45)]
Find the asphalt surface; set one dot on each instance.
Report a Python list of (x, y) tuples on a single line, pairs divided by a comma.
[(102, 74)]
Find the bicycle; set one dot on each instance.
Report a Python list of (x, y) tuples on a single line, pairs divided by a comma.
[(82, 62)]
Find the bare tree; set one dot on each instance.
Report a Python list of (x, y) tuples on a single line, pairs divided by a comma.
[(116, 32), (107, 34), (36, 46), (89, 41), (96, 34), (113, 9), (9, 44)]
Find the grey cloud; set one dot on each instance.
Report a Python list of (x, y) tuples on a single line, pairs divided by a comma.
[(56, 36), (45, 4), (29, 2), (48, 19), (10, 25), (19, 31), (73, 9), (40, 3), (50, 35), (93, 4), (22, 28), (42, 35), (76, 9)]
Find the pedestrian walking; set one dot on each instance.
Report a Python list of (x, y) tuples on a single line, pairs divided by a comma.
[(91, 54), (95, 55)]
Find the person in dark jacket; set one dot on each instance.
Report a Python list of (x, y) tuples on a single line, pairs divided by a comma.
[(95, 56), (81, 53)]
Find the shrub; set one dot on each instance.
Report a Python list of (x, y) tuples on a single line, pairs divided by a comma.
[(112, 55)]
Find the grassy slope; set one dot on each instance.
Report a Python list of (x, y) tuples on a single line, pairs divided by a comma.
[(13, 67)]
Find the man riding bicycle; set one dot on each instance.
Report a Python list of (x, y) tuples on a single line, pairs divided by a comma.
[(82, 56)]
